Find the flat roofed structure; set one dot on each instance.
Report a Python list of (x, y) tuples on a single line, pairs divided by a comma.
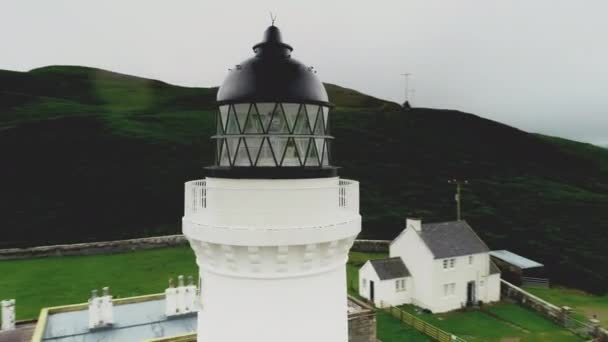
[(143, 319), (136, 319), (515, 259)]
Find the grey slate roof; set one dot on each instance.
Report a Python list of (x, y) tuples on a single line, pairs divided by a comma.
[(452, 239), (390, 268)]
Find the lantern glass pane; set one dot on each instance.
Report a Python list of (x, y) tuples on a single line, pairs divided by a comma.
[(302, 126), (291, 113), (325, 118), (241, 109), (278, 123), (224, 156), (265, 111), (224, 114), (291, 157), (266, 157), (232, 126), (253, 146), (242, 158), (312, 159)]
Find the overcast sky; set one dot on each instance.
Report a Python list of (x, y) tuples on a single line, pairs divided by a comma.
[(539, 65)]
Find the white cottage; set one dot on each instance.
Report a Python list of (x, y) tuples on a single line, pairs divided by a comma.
[(386, 280), (449, 267)]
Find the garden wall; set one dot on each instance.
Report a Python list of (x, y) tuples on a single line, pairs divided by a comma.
[(109, 247)]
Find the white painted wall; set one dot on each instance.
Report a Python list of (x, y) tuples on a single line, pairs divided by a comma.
[(272, 255), (385, 292), (419, 261), (461, 274)]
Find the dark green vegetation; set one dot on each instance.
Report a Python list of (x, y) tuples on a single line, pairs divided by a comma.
[(93, 155)]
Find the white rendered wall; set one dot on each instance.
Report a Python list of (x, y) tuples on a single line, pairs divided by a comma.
[(312, 308), (461, 275), (271, 255), (385, 292), (419, 261)]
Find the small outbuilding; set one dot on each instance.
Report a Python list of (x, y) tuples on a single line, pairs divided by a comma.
[(519, 270), (385, 282)]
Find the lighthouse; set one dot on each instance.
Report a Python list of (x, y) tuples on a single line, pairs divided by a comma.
[(272, 223)]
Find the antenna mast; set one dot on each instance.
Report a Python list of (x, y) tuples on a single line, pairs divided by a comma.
[(407, 81)]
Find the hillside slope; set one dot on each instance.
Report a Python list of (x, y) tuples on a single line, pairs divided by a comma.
[(90, 154)]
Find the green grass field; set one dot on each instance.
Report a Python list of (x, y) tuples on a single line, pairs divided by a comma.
[(53, 281), (498, 322), (39, 283), (584, 305)]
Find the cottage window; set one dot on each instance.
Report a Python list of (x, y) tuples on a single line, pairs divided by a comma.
[(449, 289), (470, 260), (452, 263), (363, 283), (445, 263), (400, 285)]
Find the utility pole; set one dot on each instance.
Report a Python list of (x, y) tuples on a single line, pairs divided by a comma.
[(407, 81), (413, 93), (457, 197)]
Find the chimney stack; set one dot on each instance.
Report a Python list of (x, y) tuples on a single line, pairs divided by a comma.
[(414, 223)]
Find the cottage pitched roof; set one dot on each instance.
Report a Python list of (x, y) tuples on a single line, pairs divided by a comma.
[(390, 268), (452, 239)]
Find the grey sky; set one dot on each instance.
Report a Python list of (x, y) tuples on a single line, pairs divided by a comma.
[(539, 65)]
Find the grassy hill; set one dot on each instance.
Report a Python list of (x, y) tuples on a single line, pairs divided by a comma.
[(90, 154)]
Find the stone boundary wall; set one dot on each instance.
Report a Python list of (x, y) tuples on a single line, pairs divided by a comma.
[(377, 246), (91, 248), (362, 324), (109, 247)]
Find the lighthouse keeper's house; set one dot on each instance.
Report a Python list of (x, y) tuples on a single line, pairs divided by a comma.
[(436, 266)]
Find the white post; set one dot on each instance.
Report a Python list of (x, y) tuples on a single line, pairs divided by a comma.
[(181, 295), (190, 295), (8, 314), (171, 300), (107, 307), (94, 310)]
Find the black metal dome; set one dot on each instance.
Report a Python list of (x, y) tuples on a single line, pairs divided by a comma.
[(272, 76)]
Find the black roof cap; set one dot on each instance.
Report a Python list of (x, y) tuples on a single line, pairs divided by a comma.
[(452, 239), (272, 76), (390, 268)]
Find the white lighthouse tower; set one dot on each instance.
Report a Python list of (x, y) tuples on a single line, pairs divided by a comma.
[(272, 223)]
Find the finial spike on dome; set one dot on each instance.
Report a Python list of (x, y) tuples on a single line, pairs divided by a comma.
[(273, 18)]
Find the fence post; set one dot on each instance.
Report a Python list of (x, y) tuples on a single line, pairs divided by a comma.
[(595, 327), (565, 315), (453, 338)]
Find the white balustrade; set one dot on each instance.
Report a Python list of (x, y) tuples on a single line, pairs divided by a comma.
[(201, 198)]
